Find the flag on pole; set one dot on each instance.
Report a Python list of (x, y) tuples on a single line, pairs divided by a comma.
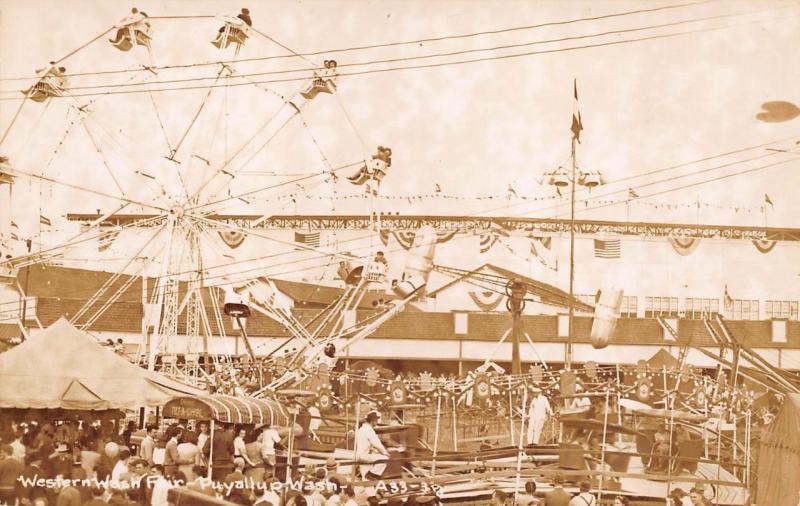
[(768, 200), (632, 194), (607, 248), (309, 239), (44, 220), (577, 124)]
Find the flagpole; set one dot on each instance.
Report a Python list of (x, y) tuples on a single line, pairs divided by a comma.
[(568, 359)]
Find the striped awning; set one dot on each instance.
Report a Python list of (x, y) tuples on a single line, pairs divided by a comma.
[(227, 409)]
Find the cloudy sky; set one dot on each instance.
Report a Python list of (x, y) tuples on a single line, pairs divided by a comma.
[(685, 98)]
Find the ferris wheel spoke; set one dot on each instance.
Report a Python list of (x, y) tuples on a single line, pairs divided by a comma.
[(75, 240), (86, 116), (110, 282), (332, 172), (266, 143), (188, 129), (236, 153), (18, 172)]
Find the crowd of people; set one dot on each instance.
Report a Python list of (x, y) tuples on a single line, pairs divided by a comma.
[(93, 463), (77, 462)]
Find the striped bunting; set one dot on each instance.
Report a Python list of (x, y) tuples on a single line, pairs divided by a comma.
[(232, 238), (684, 246), (486, 301), (764, 246), (487, 242)]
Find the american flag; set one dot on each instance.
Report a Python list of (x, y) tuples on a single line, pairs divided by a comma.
[(309, 239), (607, 248)]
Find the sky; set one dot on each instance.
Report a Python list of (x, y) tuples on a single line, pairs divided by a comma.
[(473, 129)]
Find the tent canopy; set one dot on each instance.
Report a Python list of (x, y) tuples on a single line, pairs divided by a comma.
[(227, 409), (65, 368), (779, 456)]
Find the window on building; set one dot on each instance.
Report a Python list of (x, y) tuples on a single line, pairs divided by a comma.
[(630, 306), (697, 308), (661, 306), (744, 309), (781, 309)]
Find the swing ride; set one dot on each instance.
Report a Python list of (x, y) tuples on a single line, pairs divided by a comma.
[(172, 190)]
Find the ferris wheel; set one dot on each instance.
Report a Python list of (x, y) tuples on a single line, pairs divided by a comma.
[(180, 141)]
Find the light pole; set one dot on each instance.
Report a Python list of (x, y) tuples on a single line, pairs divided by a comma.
[(516, 291), (561, 179)]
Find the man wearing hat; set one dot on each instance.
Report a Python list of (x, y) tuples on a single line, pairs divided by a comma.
[(369, 447), (333, 471), (537, 416)]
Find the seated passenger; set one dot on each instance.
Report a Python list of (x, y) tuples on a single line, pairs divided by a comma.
[(324, 81), (132, 30), (370, 449), (343, 271), (52, 83), (662, 450), (376, 168), (234, 30)]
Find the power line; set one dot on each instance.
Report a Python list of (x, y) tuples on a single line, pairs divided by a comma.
[(635, 176), (432, 65), (432, 55), (375, 46)]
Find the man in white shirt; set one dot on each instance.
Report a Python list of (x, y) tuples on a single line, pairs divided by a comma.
[(121, 467), (160, 486), (201, 442), (269, 438), (148, 445), (268, 495), (369, 447), (537, 416), (580, 401), (17, 447), (585, 498)]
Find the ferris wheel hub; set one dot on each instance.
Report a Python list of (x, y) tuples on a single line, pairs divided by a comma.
[(176, 212)]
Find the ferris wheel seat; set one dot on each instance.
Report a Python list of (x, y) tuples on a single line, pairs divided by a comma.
[(229, 34), (311, 92), (317, 86), (361, 177), (376, 273), (124, 41), (43, 90)]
